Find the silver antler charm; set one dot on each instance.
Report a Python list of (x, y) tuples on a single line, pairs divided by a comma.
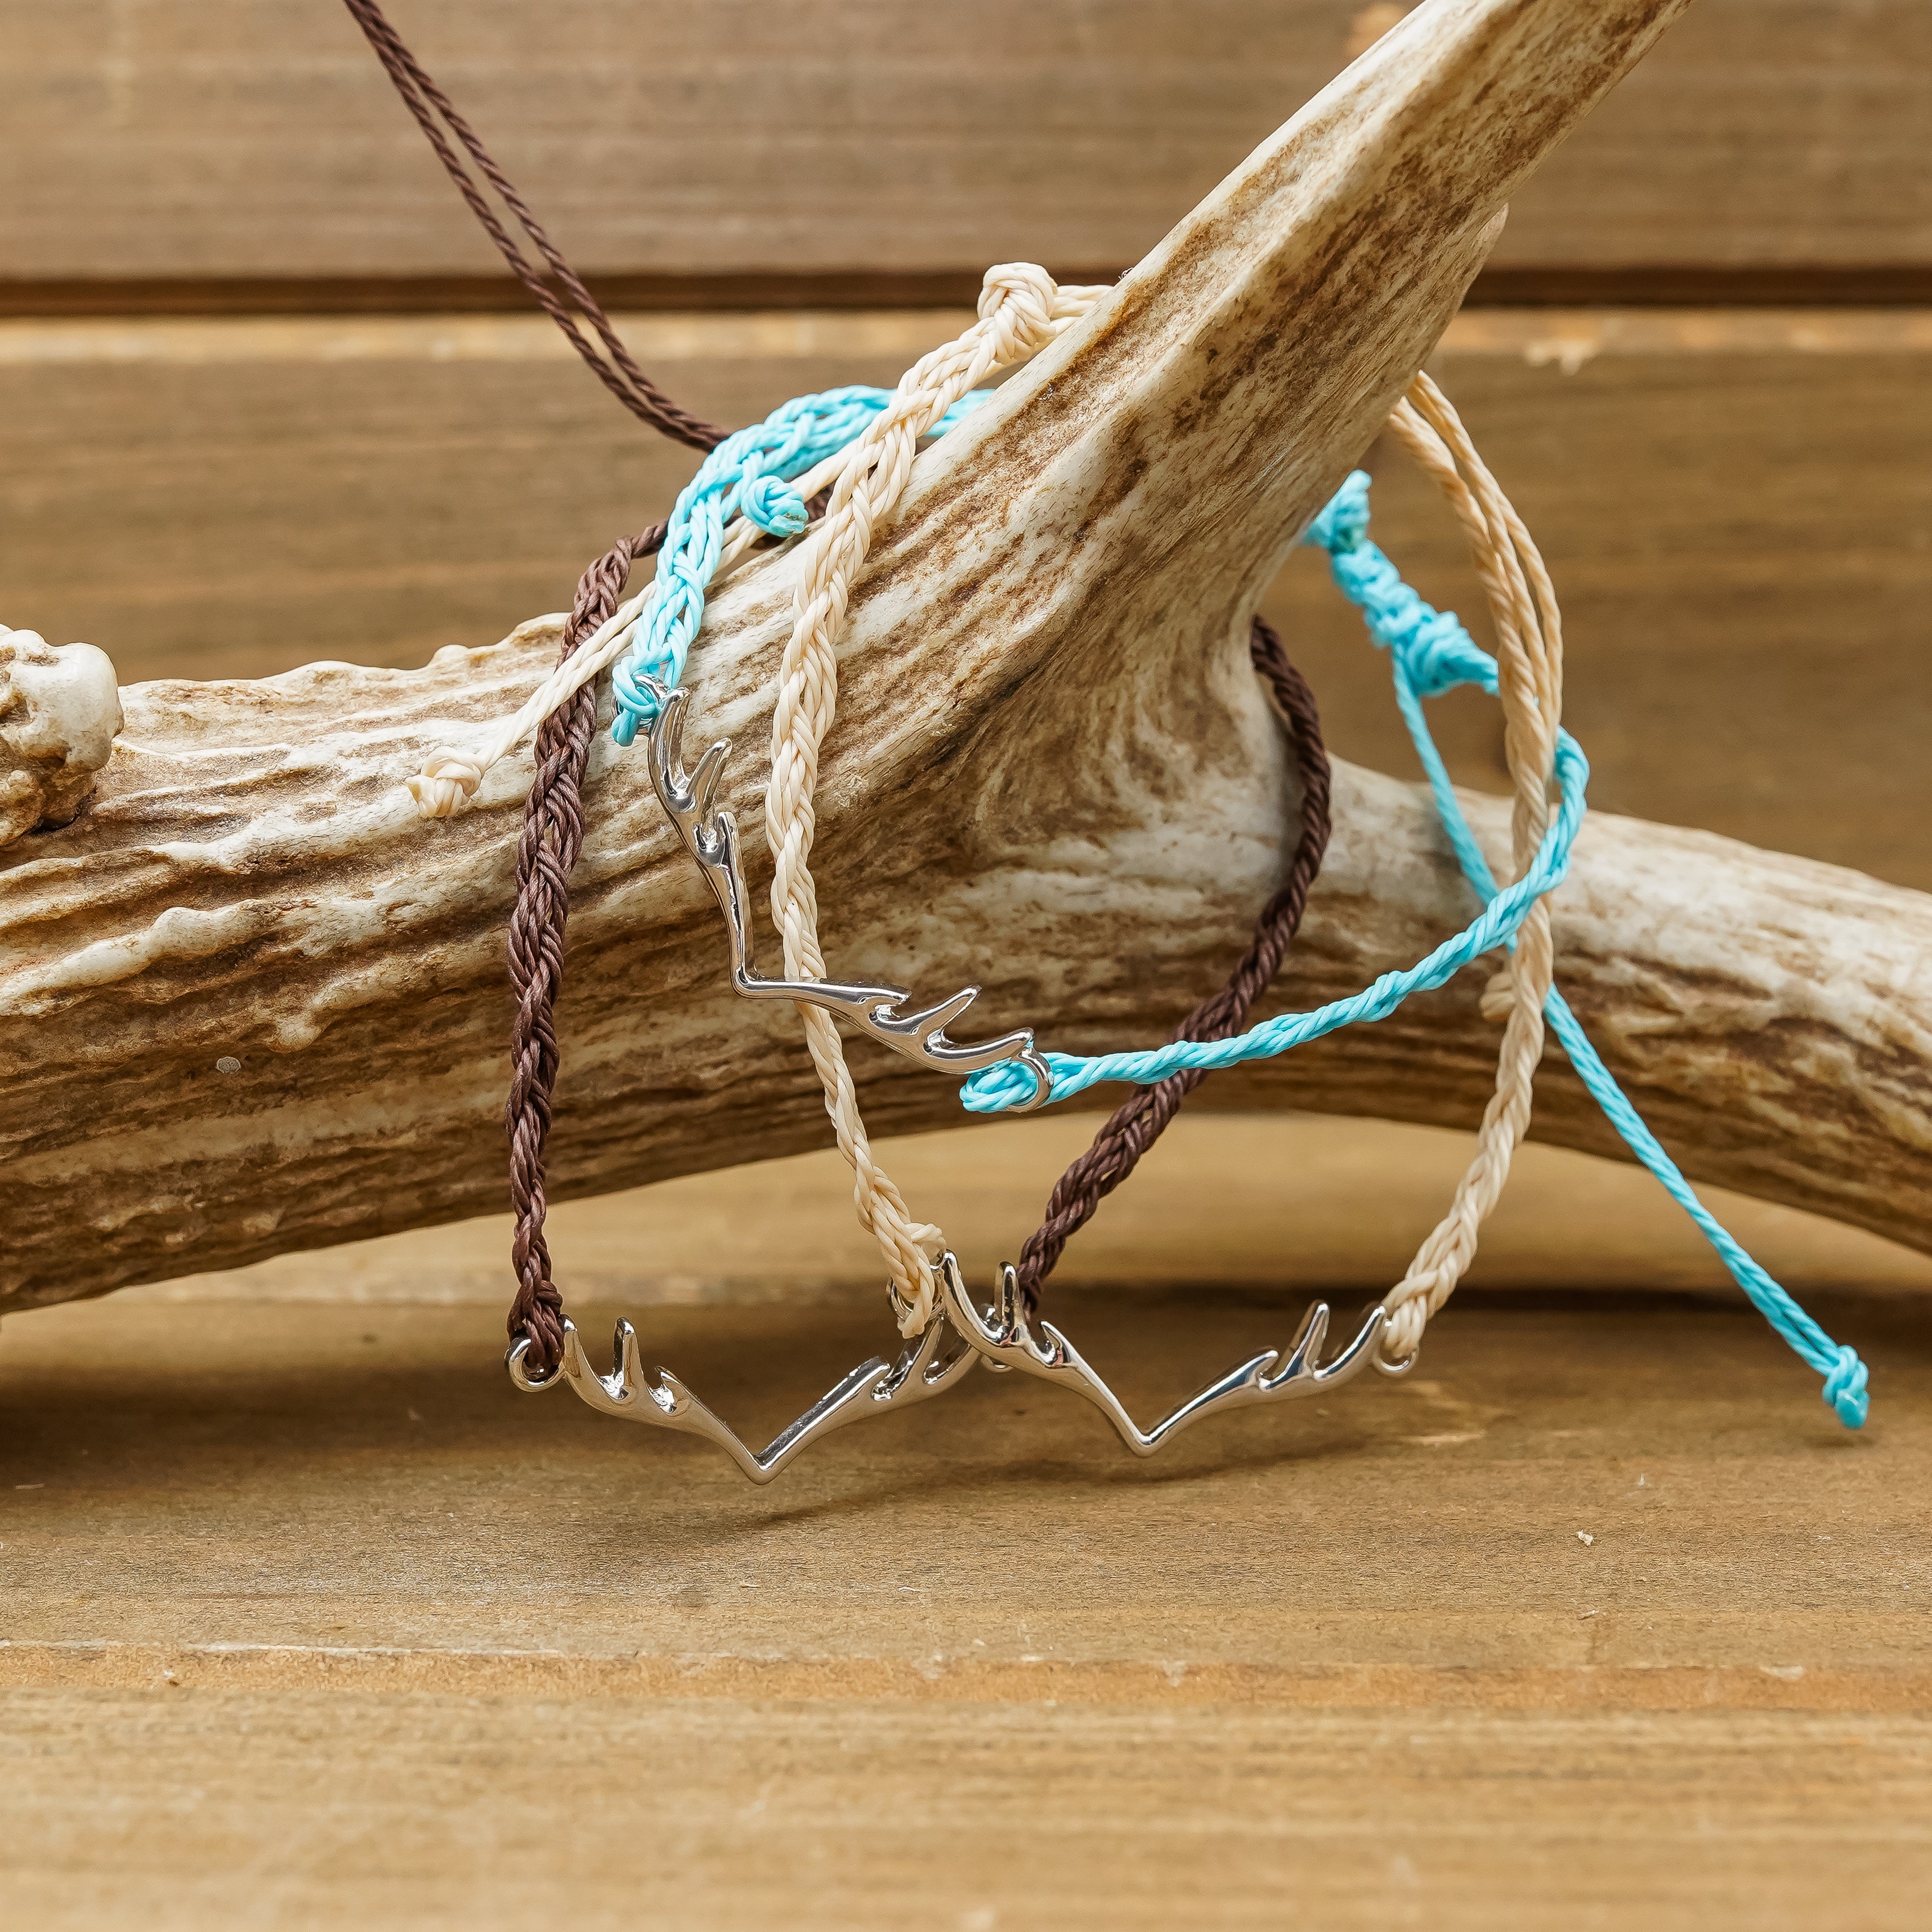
[(1006, 1338), (711, 837), (926, 1366)]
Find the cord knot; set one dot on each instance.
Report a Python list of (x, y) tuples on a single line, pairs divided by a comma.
[(1018, 298), (1342, 522), (775, 506), (1007, 1084), (447, 783), (1845, 1388), (1436, 653), (1402, 1333)]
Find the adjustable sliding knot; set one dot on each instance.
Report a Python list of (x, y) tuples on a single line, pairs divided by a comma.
[(775, 506), (1342, 522), (1436, 653), (447, 782), (1019, 299), (1845, 1388)]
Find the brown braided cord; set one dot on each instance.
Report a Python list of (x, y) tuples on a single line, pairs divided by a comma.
[(553, 836), (1141, 1119), (615, 369)]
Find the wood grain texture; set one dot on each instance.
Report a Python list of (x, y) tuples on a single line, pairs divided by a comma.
[(311, 1618), (1772, 1018), (1735, 507), (258, 137)]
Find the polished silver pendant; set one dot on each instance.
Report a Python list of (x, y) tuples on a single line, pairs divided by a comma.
[(935, 1358), (1008, 1339), (711, 837)]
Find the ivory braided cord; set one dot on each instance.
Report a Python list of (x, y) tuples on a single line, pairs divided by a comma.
[(1529, 652), (1021, 310)]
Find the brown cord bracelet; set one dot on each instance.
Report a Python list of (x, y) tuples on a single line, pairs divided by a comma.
[(552, 835)]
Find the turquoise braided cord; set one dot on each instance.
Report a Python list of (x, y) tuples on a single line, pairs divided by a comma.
[(1420, 640), (997, 1088), (748, 474)]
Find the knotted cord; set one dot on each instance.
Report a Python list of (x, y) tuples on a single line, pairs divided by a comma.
[(755, 484), (1430, 654), (1529, 653)]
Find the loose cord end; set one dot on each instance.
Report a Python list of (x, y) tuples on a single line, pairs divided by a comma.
[(446, 784), (1845, 1388)]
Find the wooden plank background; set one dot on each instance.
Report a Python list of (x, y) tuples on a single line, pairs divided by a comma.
[(1736, 506), (258, 138)]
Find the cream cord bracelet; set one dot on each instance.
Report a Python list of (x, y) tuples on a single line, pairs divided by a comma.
[(1529, 656), (1021, 309)]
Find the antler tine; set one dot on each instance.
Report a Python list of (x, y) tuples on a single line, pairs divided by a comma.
[(1367, 1346), (627, 1363), (1009, 1307), (1306, 1346), (933, 1019), (704, 783), (667, 743)]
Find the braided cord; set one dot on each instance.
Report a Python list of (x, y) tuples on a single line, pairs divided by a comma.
[(749, 475), (997, 1089), (743, 490), (1430, 652), (552, 835), (1021, 309)]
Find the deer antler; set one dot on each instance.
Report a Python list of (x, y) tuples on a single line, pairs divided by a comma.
[(1052, 776)]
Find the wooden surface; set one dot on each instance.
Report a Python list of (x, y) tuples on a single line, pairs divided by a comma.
[(258, 138), (1735, 504), (1299, 1202), (311, 1621)]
